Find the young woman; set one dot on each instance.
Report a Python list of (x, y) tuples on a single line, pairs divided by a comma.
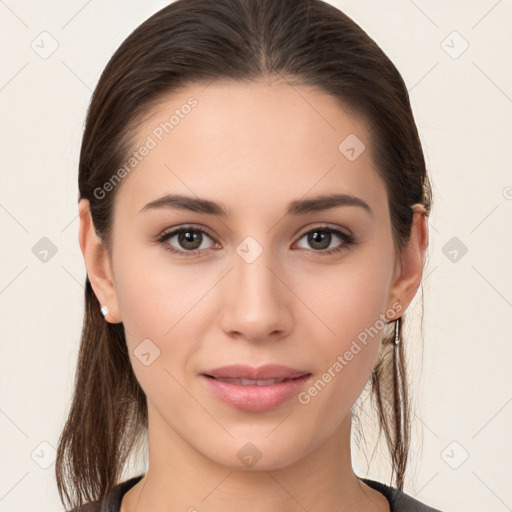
[(253, 219)]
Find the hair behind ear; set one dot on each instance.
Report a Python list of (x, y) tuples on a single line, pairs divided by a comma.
[(108, 413)]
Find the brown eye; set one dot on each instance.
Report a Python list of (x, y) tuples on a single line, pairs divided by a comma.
[(185, 241), (190, 240), (321, 240)]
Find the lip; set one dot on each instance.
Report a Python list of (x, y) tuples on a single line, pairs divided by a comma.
[(265, 372), (255, 398)]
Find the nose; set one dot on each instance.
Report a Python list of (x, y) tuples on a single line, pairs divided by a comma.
[(256, 302)]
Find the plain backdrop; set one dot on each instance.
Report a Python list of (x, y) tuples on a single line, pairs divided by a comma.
[(455, 58)]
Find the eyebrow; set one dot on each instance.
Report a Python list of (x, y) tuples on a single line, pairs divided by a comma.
[(298, 207)]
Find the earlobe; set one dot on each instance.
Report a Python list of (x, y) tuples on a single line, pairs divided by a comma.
[(408, 280), (97, 263)]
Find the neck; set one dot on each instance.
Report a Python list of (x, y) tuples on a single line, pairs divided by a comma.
[(181, 478)]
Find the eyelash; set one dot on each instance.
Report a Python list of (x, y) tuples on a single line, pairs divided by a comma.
[(347, 239)]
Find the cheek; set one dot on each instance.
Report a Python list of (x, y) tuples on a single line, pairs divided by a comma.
[(157, 297), (335, 307), (350, 301), (348, 298), (166, 312), (344, 360), (160, 304)]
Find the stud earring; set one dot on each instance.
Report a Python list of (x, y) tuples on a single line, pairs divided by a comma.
[(104, 310), (397, 330)]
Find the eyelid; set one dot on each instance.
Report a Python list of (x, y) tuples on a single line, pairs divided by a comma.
[(325, 226), (182, 227), (301, 232), (348, 239), (164, 237), (344, 233)]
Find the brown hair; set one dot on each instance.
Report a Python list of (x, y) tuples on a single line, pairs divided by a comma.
[(200, 41)]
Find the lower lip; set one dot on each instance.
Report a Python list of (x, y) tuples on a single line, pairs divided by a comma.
[(255, 398)]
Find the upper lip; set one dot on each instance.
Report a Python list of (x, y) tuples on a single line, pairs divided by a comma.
[(265, 372)]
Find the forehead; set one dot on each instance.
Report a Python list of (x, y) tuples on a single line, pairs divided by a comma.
[(260, 144)]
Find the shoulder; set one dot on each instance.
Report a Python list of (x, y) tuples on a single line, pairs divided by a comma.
[(111, 502), (89, 507), (398, 500)]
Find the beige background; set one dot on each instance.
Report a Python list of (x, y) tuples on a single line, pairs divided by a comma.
[(462, 99)]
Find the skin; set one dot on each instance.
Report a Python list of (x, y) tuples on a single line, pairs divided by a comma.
[(254, 148)]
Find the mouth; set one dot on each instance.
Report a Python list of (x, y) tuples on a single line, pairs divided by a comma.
[(247, 373), (255, 395), (252, 382)]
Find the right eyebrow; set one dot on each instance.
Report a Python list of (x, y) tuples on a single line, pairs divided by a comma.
[(193, 204)]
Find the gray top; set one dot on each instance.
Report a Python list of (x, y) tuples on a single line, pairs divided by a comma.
[(398, 501)]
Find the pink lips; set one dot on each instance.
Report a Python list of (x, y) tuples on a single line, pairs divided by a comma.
[(255, 397)]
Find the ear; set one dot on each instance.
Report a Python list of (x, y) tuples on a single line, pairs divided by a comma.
[(407, 277), (97, 263)]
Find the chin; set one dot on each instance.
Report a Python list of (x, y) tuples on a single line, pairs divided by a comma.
[(257, 455)]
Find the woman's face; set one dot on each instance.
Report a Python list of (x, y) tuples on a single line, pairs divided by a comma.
[(255, 286)]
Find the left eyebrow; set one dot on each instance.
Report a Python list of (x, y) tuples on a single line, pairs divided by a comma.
[(298, 207), (326, 203)]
